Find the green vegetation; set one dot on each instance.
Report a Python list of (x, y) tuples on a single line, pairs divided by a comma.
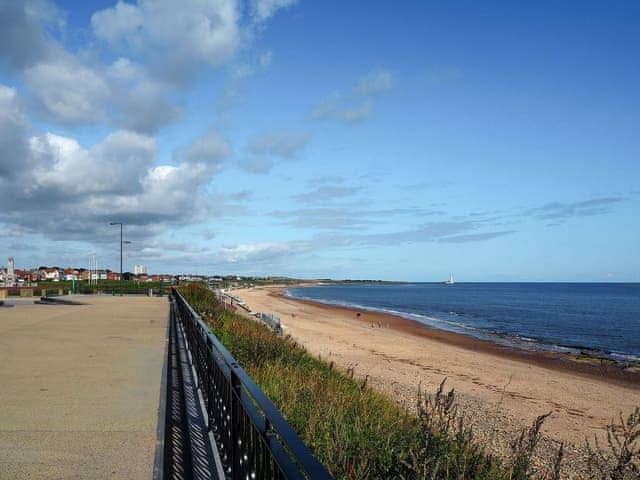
[(102, 286), (355, 431), (359, 433), (107, 284)]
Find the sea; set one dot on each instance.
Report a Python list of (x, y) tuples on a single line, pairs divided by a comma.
[(595, 319)]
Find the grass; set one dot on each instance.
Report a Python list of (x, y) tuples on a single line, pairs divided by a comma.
[(359, 433)]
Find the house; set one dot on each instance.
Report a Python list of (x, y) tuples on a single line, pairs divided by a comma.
[(71, 274), (51, 274), (22, 276), (99, 275), (112, 275), (162, 277)]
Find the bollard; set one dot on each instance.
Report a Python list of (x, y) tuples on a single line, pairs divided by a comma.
[(150, 292)]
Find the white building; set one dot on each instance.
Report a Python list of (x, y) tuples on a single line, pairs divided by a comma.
[(139, 270), (10, 277), (71, 274), (98, 275), (52, 274)]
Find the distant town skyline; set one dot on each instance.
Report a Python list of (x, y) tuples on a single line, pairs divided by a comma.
[(25, 277), (394, 141)]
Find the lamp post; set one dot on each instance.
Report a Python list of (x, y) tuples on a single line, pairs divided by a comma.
[(119, 223)]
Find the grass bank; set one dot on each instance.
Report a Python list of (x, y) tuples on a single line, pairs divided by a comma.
[(355, 431)]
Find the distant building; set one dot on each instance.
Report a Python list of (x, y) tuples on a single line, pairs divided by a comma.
[(71, 274), (112, 275), (164, 277), (99, 275), (10, 277), (139, 270), (22, 276), (52, 274)]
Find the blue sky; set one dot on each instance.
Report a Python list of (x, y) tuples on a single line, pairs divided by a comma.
[(401, 140)]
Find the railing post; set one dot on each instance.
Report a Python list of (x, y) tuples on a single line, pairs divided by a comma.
[(255, 441), (236, 453)]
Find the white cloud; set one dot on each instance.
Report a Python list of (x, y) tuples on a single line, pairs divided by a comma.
[(145, 106), (116, 165), (281, 144), (258, 165), (259, 252), (118, 23), (11, 108), (375, 82), (265, 9), (263, 150), (210, 149), (23, 38), (359, 105), (160, 46), (175, 35), (123, 69), (75, 190), (73, 91), (141, 103), (69, 187), (336, 109), (68, 91), (13, 126), (326, 194), (241, 71), (561, 211)]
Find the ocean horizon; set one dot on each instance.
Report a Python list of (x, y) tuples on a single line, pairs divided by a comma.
[(595, 319)]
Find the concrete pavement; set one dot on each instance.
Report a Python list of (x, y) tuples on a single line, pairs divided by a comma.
[(80, 388)]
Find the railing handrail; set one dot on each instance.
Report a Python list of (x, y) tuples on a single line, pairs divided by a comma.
[(300, 452)]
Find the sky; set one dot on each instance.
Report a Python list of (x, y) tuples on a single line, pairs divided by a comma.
[(499, 141)]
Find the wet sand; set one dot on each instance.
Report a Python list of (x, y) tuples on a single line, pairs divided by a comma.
[(501, 389)]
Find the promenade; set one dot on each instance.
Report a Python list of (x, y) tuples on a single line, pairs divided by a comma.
[(80, 387)]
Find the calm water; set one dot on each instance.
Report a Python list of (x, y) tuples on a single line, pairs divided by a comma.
[(601, 319)]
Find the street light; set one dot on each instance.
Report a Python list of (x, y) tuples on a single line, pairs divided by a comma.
[(119, 223)]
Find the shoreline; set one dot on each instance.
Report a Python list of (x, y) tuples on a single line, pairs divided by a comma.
[(501, 389), (584, 365)]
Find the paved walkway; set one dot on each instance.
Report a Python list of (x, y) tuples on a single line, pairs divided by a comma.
[(80, 388)]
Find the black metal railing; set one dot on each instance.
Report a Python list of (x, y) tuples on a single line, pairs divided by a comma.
[(254, 441)]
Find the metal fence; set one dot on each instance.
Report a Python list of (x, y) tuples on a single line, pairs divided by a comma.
[(272, 322), (253, 439)]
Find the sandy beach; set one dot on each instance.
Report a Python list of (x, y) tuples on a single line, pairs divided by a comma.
[(501, 389)]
